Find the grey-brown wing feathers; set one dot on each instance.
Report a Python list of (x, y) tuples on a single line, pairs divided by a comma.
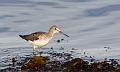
[(33, 36)]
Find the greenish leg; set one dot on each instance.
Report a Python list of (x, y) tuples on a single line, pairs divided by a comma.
[(40, 51), (33, 50)]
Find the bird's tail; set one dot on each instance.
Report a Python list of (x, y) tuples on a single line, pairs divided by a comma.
[(22, 36)]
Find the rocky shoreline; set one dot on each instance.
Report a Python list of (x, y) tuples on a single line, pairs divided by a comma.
[(61, 62)]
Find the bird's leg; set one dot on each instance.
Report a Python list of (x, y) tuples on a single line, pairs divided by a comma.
[(33, 50), (39, 48)]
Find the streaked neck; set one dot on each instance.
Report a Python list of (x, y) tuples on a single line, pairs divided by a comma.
[(51, 33)]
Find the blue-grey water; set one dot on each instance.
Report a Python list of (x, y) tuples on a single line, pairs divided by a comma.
[(91, 24)]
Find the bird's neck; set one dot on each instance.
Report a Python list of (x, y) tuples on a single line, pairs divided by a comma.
[(51, 33)]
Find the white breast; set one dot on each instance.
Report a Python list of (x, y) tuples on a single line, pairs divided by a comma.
[(39, 42)]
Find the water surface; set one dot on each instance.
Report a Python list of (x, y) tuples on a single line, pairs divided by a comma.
[(91, 24)]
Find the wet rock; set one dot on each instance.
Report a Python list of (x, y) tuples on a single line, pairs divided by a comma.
[(117, 68), (61, 62), (74, 49), (62, 39), (34, 63), (62, 48), (58, 41), (76, 65), (53, 66), (13, 62), (102, 67)]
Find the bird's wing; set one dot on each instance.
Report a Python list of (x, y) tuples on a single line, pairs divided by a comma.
[(33, 36)]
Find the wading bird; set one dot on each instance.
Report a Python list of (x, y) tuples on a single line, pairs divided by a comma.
[(40, 39)]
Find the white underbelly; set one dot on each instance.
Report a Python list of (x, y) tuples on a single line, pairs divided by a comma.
[(39, 42)]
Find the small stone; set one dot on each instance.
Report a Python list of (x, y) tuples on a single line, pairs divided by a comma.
[(58, 41), (62, 39)]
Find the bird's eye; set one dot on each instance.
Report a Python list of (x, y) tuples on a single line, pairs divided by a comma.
[(55, 28)]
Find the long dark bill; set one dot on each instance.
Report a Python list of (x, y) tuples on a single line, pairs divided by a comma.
[(63, 33)]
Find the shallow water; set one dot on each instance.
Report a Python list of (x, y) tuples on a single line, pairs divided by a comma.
[(91, 24)]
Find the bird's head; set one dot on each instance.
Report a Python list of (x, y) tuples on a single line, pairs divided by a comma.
[(56, 29)]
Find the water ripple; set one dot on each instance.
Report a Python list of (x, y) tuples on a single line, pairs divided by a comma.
[(47, 3), (6, 16), (13, 1), (76, 0), (25, 13), (98, 27), (22, 21), (102, 11), (4, 29)]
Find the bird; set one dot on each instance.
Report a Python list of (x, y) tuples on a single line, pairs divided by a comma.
[(40, 39)]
